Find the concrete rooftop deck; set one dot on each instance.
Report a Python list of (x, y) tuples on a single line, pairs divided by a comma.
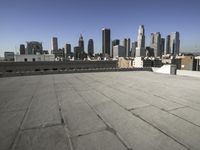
[(100, 111)]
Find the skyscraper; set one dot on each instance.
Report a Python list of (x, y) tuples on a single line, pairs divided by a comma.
[(133, 49), (174, 43), (22, 49), (162, 46), (167, 49), (155, 43), (106, 41), (34, 47), (90, 47), (81, 43), (114, 43), (54, 43), (67, 50), (127, 45), (140, 50)]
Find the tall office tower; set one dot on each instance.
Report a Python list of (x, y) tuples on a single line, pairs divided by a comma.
[(114, 43), (90, 47), (155, 43), (167, 49), (34, 47), (22, 49), (125, 44), (54, 43), (174, 43), (67, 50), (81, 43), (140, 50), (128, 47), (162, 46), (133, 49), (106, 41)]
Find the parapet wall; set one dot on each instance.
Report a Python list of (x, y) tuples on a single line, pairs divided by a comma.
[(57, 65)]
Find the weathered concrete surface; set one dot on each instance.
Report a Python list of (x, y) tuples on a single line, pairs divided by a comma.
[(98, 141), (177, 128), (50, 138), (111, 110)]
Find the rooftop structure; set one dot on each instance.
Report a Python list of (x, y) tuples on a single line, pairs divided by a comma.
[(100, 111)]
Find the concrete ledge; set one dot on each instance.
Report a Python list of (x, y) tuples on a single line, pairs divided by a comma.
[(29, 73), (188, 73)]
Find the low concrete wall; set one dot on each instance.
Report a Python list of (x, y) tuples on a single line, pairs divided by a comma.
[(188, 73), (57, 65), (28, 73), (165, 69)]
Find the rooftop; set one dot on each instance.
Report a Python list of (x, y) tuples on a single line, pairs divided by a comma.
[(100, 111)]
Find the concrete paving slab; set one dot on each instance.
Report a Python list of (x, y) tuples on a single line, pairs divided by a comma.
[(9, 126), (186, 133), (80, 118), (188, 114), (44, 111), (50, 138), (136, 132), (103, 140)]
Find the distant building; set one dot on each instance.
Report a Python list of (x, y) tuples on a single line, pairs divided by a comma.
[(126, 44), (33, 57), (155, 43), (114, 43), (79, 53), (162, 46), (90, 47), (119, 51), (140, 50), (149, 52), (34, 47), (167, 49), (174, 43), (22, 49), (133, 49), (54, 43), (67, 50), (59, 54), (9, 56), (81, 43), (106, 41)]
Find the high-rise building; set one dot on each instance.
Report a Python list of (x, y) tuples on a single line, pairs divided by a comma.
[(174, 43), (54, 43), (162, 46), (67, 50), (155, 43), (106, 41), (114, 43), (167, 49), (140, 50), (81, 43), (34, 47), (90, 47), (126, 44), (128, 47), (22, 49), (119, 51), (133, 49)]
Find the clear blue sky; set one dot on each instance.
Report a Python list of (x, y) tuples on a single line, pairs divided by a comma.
[(39, 20)]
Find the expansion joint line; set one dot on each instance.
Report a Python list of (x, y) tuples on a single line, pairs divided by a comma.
[(63, 122), (24, 117)]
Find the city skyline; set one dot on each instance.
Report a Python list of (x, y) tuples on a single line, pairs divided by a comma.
[(67, 19)]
